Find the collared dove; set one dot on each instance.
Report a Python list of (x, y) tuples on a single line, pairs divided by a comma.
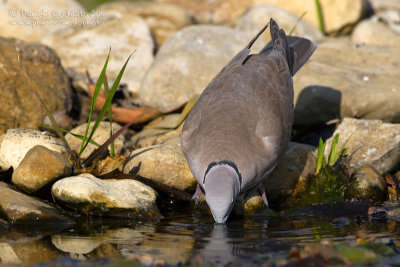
[(241, 125)]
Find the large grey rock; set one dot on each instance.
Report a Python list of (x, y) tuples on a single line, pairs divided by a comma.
[(370, 142), (86, 48), (90, 195), (213, 12), (164, 19), (31, 20), (154, 134), (165, 164), (17, 142), (20, 108), (342, 80), (336, 14), (375, 32), (39, 167), (296, 164), (19, 208), (259, 16), (187, 62), (101, 135)]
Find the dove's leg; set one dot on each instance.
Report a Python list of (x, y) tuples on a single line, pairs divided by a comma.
[(197, 194), (261, 189)]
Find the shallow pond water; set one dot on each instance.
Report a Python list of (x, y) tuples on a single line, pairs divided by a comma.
[(184, 237)]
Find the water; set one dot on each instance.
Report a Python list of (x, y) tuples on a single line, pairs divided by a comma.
[(183, 237)]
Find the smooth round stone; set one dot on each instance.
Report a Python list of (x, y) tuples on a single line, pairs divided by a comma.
[(90, 195)]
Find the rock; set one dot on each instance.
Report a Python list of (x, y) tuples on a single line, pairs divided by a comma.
[(388, 209), (213, 11), (36, 252), (374, 32), (77, 243), (155, 136), (173, 247), (391, 18), (397, 176), (249, 204), (298, 161), (19, 208), (39, 167), (20, 107), (30, 21), (186, 63), (163, 19), (101, 135), (86, 48), (165, 164), (322, 254), (383, 5), (370, 142), (336, 14), (367, 184), (90, 195), (259, 16), (17, 142), (342, 80), (8, 256)]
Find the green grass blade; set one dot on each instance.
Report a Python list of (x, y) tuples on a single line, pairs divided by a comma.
[(85, 142), (109, 108), (81, 137), (334, 153), (103, 147), (320, 160), (320, 17), (108, 100), (343, 149)]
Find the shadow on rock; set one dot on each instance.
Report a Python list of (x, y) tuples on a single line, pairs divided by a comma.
[(315, 109)]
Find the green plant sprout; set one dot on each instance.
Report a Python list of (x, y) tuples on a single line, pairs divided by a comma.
[(334, 153), (87, 138), (320, 17), (109, 108), (106, 105)]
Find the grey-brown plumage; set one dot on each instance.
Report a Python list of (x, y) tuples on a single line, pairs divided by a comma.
[(241, 125)]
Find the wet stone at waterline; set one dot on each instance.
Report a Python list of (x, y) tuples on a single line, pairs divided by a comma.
[(16, 207), (92, 196), (367, 184)]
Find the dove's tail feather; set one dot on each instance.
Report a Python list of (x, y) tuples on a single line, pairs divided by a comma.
[(280, 42), (297, 50)]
